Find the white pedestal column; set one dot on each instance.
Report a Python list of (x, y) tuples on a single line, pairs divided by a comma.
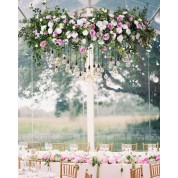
[(90, 100)]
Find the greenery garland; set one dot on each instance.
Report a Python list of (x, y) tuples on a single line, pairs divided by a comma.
[(53, 30)]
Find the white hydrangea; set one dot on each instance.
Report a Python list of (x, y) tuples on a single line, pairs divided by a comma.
[(85, 32), (120, 38)]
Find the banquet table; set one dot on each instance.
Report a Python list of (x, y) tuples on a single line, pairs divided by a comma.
[(105, 170)]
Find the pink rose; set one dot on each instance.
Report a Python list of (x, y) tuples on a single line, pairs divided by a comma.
[(106, 36), (145, 161), (143, 26), (92, 33), (137, 36), (43, 44), (119, 25), (138, 26), (48, 17), (45, 157), (60, 42), (128, 24), (131, 18), (93, 26), (104, 48), (120, 18), (83, 50), (110, 26), (157, 157), (55, 33)]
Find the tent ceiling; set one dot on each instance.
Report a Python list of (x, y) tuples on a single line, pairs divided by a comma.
[(71, 5)]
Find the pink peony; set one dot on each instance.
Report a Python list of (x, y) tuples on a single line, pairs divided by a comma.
[(104, 48), (106, 36), (83, 50), (92, 33), (110, 26), (43, 44), (60, 42)]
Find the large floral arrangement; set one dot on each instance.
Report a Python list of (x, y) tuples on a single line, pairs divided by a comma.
[(53, 30)]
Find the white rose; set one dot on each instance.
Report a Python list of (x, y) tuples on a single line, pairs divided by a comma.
[(119, 30), (125, 12), (80, 22), (120, 38), (111, 15), (85, 32), (68, 33), (128, 31), (94, 38), (74, 34), (105, 22), (61, 25), (99, 23), (125, 26), (84, 41), (50, 24), (41, 20), (54, 40), (101, 42), (54, 17), (43, 28), (73, 27), (114, 22), (63, 16), (111, 32), (59, 30), (139, 20), (133, 37), (41, 32), (84, 20), (72, 21), (114, 35), (135, 22), (50, 30)]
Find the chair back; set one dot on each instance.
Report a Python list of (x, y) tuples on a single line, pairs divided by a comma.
[(34, 145), (68, 170), (133, 147), (154, 170), (87, 175), (136, 173), (84, 146), (106, 147), (146, 147), (59, 146)]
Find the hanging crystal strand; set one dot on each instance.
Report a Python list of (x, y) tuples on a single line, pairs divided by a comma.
[(115, 72), (80, 75), (57, 62), (98, 66), (64, 56), (68, 64), (105, 74), (70, 69), (94, 66), (76, 68)]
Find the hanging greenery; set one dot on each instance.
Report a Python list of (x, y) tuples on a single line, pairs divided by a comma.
[(54, 30)]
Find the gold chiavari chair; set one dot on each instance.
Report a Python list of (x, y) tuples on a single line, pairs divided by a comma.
[(68, 170), (19, 163), (59, 146), (134, 147), (83, 146), (87, 175), (136, 173), (34, 145), (154, 170), (152, 145), (99, 146)]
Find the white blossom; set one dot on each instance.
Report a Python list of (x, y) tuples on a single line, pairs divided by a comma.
[(72, 21), (133, 37), (84, 41), (54, 40), (50, 24), (61, 25), (94, 38), (125, 12), (119, 30), (80, 22), (68, 33), (74, 34), (125, 26), (120, 38), (111, 15), (59, 30), (114, 35), (63, 16), (43, 28), (140, 20), (50, 30), (128, 31), (114, 22), (85, 32), (101, 42), (135, 22)]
